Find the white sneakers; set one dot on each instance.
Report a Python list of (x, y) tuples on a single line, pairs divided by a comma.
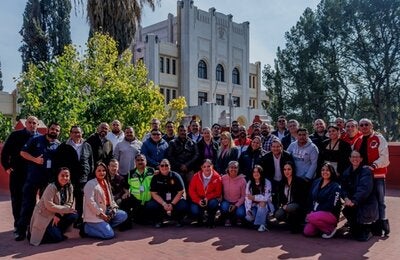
[(262, 228), (326, 236)]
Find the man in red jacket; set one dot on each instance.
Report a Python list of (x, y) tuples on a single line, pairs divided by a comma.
[(374, 149)]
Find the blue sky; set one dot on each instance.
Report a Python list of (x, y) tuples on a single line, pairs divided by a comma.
[(269, 20)]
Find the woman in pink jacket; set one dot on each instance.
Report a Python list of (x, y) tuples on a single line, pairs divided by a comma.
[(234, 192), (205, 190)]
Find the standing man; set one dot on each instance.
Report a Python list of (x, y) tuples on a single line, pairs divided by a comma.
[(154, 149), (126, 151), (15, 165), (235, 129), (39, 152), (341, 124), (320, 133), (281, 131), (183, 154), (373, 148), (266, 137), (77, 156), (242, 142), (194, 131), (169, 131), (102, 148), (155, 124), (216, 132), (305, 155), (293, 126), (116, 134)]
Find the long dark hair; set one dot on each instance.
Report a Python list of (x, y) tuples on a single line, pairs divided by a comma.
[(331, 169), (253, 187), (108, 177), (59, 170), (291, 164)]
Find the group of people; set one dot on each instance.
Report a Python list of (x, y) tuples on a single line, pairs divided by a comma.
[(242, 176)]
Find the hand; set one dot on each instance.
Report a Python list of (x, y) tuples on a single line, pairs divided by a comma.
[(250, 197), (250, 213), (104, 217), (39, 160), (71, 210), (125, 195), (9, 171), (55, 221), (183, 168)]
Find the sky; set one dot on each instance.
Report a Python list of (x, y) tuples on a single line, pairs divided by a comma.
[(269, 20)]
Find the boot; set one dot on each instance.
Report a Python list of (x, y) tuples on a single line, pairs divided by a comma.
[(364, 233), (376, 228), (385, 227)]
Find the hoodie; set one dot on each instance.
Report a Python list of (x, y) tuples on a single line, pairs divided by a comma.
[(234, 189), (305, 159)]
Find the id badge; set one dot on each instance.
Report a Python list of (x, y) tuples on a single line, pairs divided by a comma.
[(48, 164), (141, 188), (168, 196)]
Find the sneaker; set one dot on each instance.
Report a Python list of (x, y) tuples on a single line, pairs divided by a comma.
[(262, 228), (228, 223), (329, 235), (158, 225)]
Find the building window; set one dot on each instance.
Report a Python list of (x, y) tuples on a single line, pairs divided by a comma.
[(162, 91), (236, 101), (220, 73), (235, 76), (202, 98), (162, 64), (168, 96), (173, 94), (252, 103), (220, 100), (254, 82), (174, 67), (168, 65), (202, 69)]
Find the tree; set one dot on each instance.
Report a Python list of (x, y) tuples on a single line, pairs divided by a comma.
[(118, 18), (341, 60), (96, 87), (5, 127), (45, 30)]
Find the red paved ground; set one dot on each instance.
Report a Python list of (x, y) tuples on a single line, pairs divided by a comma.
[(145, 242)]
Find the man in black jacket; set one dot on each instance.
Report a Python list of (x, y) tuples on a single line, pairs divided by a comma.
[(77, 156), (15, 165)]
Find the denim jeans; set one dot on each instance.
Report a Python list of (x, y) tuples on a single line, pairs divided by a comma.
[(240, 211), (55, 234), (197, 211), (104, 229), (380, 191)]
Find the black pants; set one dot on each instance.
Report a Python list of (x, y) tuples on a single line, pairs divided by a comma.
[(17, 181)]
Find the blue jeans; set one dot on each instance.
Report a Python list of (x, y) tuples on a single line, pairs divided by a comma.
[(104, 229), (380, 191), (260, 214), (55, 234), (240, 212), (197, 211)]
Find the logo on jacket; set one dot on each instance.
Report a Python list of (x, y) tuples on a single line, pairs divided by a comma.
[(374, 144)]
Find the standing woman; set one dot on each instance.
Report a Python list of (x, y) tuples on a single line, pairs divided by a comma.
[(325, 204), (291, 201), (205, 190), (54, 213), (227, 152), (100, 211), (258, 200), (335, 151), (208, 148)]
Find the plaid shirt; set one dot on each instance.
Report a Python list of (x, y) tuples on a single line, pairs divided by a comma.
[(267, 142)]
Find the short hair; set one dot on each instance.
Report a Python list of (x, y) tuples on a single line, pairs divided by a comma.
[(216, 124), (334, 127), (351, 120), (302, 130)]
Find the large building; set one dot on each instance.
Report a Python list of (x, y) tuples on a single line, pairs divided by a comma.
[(203, 56)]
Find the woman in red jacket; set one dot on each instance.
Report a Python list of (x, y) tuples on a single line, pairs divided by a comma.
[(205, 190)]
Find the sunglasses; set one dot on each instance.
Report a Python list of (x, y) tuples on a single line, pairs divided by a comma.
[(164, 165), (155, 134), (140, 160), (364, 124)]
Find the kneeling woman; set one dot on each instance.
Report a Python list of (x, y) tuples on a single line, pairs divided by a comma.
[(325, 204), (53, 214), (100, 211), (258, 201)]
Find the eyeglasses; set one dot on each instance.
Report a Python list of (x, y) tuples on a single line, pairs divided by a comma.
[(164, 165), (362, 125), (281, 121)]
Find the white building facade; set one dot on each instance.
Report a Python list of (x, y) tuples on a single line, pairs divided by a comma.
[(203, 56)]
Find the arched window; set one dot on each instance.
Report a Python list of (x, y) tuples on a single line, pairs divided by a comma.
[(235, 76), (220, 73), (202, 69)]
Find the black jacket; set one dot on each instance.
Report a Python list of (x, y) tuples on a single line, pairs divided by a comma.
[(248, 159), (357, 185), (201, 146), (80, 169), (269, 165), (182, 152), (326, 198), (101, 151), (298, 193)]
